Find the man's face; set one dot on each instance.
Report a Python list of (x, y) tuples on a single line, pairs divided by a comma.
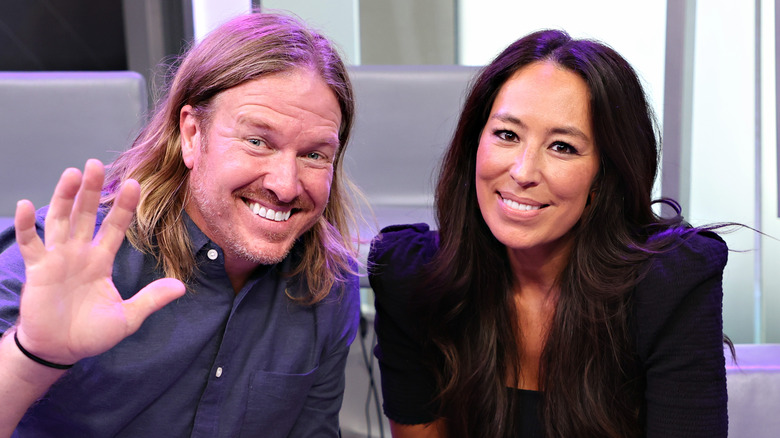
[(261, 170)]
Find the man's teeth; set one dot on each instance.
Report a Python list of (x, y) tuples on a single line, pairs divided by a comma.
[(277, 216), (518, 206)]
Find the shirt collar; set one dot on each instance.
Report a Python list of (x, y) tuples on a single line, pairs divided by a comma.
[(197, 237)]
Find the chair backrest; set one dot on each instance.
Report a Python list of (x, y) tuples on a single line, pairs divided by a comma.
[(53, 120), (406, 116), (754, 391)]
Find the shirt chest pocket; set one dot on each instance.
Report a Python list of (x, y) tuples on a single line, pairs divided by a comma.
[(275, 402)]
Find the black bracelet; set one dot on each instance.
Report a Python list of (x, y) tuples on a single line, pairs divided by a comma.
[(38, 359)]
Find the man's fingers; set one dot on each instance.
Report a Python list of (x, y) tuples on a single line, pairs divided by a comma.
[(82, 217), (112, 230), (30, 244), (57, 228), (151, 299)]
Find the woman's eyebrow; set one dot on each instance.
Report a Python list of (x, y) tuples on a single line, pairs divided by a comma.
[(563, 130)]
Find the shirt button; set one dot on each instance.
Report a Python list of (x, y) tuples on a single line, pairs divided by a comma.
[(212, 255), (219, 372)]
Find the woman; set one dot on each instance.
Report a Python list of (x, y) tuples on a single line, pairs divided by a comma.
[(553, 301)]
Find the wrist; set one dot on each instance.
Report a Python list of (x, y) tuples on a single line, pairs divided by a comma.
[(37, 359), (22, 382), (16, 366), (41, 354)]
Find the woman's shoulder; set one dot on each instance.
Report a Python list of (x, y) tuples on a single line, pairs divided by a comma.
[(689, 254), (683, 278), (401, 249), (398, 254)]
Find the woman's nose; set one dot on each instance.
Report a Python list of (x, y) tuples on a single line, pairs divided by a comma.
[(526, 169)]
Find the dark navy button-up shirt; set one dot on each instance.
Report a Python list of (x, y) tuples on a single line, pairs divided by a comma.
[(211, 364)]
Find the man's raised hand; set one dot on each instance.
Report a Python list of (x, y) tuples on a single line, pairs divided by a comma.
[(69, 307)]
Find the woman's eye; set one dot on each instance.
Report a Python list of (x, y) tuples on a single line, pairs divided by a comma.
[(563, 148), (505, 135), (315, 156)]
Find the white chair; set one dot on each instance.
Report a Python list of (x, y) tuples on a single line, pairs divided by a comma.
[(405, 118), (53, 120), (754, 391)]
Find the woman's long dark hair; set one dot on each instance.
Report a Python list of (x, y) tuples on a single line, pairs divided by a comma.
[(589, 376)]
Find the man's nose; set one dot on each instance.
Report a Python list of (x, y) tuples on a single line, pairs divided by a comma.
[(282, 178)]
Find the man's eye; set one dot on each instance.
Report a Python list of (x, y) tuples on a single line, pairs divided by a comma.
[(256, 142), (315, 156)]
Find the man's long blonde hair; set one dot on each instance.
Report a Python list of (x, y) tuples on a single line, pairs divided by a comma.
[(245, 48)]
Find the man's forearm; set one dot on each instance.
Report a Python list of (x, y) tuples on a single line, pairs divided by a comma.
[(22, 382)]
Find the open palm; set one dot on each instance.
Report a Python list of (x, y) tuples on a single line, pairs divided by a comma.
[(69, 307)]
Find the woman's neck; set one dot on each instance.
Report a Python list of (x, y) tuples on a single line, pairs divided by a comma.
[(536, 290), (536, 271)]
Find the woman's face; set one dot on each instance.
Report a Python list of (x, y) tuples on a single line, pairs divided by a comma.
[(536, 160)]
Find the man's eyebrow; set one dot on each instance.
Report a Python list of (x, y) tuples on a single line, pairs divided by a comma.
[(254, 123), (259, 123), (332, 142), (561, 130)]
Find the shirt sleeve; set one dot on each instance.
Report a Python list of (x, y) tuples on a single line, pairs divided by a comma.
[(12, 273), (319, 416), (396, 258), (680, 340), (11, 280)]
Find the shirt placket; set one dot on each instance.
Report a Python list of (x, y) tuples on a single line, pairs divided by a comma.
[(220, 380)]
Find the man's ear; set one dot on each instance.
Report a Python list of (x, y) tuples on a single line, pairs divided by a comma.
[(190, 132)]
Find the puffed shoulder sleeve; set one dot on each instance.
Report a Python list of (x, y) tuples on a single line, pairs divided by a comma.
[(397, 255), (679, 315)]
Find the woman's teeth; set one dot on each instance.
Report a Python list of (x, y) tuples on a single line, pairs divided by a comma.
[(518, 206)]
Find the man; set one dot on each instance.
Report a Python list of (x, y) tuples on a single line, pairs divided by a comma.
[(229, 215)]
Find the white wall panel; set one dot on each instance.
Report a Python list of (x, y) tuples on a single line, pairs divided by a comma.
[(635, 29), (723, 151), (209, 14), (337, 19), (770, 222)]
